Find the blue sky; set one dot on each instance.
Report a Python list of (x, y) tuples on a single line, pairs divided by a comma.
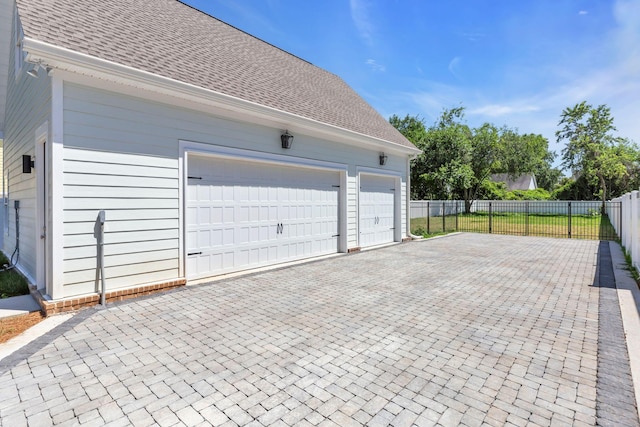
[(515, 63)]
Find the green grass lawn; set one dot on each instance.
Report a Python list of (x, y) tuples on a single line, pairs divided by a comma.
[(582, 226), (12, 283)]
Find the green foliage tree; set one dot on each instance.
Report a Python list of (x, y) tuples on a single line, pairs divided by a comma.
[(414, 129), (528, 153), (457, 160), (605, 162)]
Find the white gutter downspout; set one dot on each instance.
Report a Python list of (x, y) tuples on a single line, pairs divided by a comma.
[(414, 237)]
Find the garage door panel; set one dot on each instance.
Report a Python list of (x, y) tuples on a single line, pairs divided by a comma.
[(257, 214), (376, 210)]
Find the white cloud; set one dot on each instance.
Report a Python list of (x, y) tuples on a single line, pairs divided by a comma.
[(583, 12), (473, 36), (454, 65), (362, 19), (375, 66), (497, 110)]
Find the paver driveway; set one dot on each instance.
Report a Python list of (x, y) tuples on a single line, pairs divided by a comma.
[(465, 330)]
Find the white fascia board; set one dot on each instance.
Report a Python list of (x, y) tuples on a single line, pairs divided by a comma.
[(65, 59)]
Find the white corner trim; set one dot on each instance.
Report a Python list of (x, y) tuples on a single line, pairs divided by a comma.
[(55, 285), (66, 59), (41, 139)]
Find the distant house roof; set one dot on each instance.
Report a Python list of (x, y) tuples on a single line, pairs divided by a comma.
[(174, 40), (523, 182)]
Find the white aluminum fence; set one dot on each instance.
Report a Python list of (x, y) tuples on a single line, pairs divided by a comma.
[(432, 208), (626, 225)]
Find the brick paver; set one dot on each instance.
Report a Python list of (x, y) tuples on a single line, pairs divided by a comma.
[(465, 330)]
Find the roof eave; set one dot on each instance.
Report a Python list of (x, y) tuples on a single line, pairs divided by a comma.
[(61, 58)]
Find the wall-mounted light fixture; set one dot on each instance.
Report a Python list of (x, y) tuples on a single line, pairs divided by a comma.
[(287, 139), (383, 159), (27, 163), (33, 72)]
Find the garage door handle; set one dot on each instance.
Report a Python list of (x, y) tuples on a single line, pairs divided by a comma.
[(194, 253), (194, 177)]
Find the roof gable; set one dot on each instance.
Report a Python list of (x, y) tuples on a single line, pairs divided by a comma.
[(522, 182), (174, 40)]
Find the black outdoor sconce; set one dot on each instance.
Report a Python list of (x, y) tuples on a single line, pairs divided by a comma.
[(287, 139), (383, 159), (27, 163)]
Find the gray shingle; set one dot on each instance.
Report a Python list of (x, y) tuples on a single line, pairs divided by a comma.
[(172, 39)]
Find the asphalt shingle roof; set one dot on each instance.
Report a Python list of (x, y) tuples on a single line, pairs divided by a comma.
[(172, 39)]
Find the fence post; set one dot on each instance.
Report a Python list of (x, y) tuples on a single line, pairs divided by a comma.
[(629, 212), (490, 219), (620, 218), (444, 216), (456, 215), (569, 209), (634, 227), (526, 218), (428, 216)]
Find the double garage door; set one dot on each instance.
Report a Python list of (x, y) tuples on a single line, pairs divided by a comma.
[(243, 214)]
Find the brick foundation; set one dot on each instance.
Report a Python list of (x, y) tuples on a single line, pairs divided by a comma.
[(77, 303), (352, 250)]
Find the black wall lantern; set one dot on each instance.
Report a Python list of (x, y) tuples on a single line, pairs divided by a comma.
[(383, 159), (287, 139), (27, 163)]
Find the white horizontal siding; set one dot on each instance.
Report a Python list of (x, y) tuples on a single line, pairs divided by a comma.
[(141, 210), (28, 106), (121, 155), (125, 248)]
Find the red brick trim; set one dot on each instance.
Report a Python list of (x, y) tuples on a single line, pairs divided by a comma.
[(77, 303), (351, 250)]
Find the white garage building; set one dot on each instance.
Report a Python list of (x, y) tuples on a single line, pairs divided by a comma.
[(176, 125)]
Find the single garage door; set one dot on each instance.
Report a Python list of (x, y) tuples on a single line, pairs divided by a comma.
[(244, 214), (376, 210)]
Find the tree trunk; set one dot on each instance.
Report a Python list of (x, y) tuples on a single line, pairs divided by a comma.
[(603, 187), (468, 201)]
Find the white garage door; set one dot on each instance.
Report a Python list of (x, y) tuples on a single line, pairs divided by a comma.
[(376, 210), (242, 214)]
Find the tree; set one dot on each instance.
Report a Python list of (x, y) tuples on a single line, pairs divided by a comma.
[(457, 159), (413, 128), (591, 151), (528, 153)]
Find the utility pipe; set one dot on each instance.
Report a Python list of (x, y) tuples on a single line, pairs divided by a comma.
[(103, 293)]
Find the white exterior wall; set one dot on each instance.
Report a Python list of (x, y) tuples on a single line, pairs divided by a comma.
[(122, 155), (28, 107)]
